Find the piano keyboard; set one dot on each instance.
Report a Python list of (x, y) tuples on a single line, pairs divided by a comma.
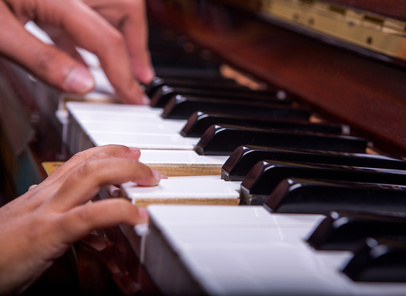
[(209, 250), (162, 147), (253, 249)]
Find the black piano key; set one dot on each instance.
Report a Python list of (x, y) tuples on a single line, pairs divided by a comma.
[(245, 157), (346, 230), (180, 107), (164, 94), (379, 260), (296, 195), (210, 83), (263, 178), (224, 139), (199, 122)]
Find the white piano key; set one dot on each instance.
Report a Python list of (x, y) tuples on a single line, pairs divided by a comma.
[(244, 251), (144, 140), (179, 158), (184, 188), (234, 216), (106, 117), (260, 270), (90, 59), (160, 140), (96, 121), (133, 126), (101, 82), (112, 109), (36, 31), (182, 162)]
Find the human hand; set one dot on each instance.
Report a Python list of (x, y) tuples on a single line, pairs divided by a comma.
[(114, 30), (39, 226)]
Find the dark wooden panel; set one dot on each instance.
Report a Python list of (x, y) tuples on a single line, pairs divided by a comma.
[(367, 94)]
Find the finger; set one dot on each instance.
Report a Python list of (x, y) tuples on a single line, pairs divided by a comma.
[(83, 182), (88, 30), (95, 34), (112, 150), (45, 61), (81, 220), (129, 16), (62, 41), (137, 42)]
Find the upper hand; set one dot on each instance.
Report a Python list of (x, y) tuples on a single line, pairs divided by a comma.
[(114, 30)]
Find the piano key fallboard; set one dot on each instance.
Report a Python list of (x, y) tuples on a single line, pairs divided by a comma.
[(251, 249)]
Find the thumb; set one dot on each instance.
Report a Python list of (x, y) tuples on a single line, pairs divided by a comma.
[(77, 80)]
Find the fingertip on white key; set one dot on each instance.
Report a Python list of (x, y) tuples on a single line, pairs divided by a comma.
[(114, 191)]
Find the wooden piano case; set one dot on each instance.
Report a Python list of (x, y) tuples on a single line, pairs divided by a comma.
[(347, 83)]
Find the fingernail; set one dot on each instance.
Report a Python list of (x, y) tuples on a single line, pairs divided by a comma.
[(145, 100), (150, 73), (79, 80), (143, 213), (32, 187), (157, 175), (134, 149)]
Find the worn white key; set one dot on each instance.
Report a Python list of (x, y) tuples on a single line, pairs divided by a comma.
[(182, 162)]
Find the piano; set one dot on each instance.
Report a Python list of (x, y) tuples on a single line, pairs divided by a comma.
[(342, 60)]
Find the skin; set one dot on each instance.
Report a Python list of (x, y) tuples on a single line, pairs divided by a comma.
[(114, 30), (45, 221)]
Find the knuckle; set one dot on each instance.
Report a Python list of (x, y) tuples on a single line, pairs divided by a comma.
[(93, 170), (99, 156), (84, 214), (85, 169), (80, 156)]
